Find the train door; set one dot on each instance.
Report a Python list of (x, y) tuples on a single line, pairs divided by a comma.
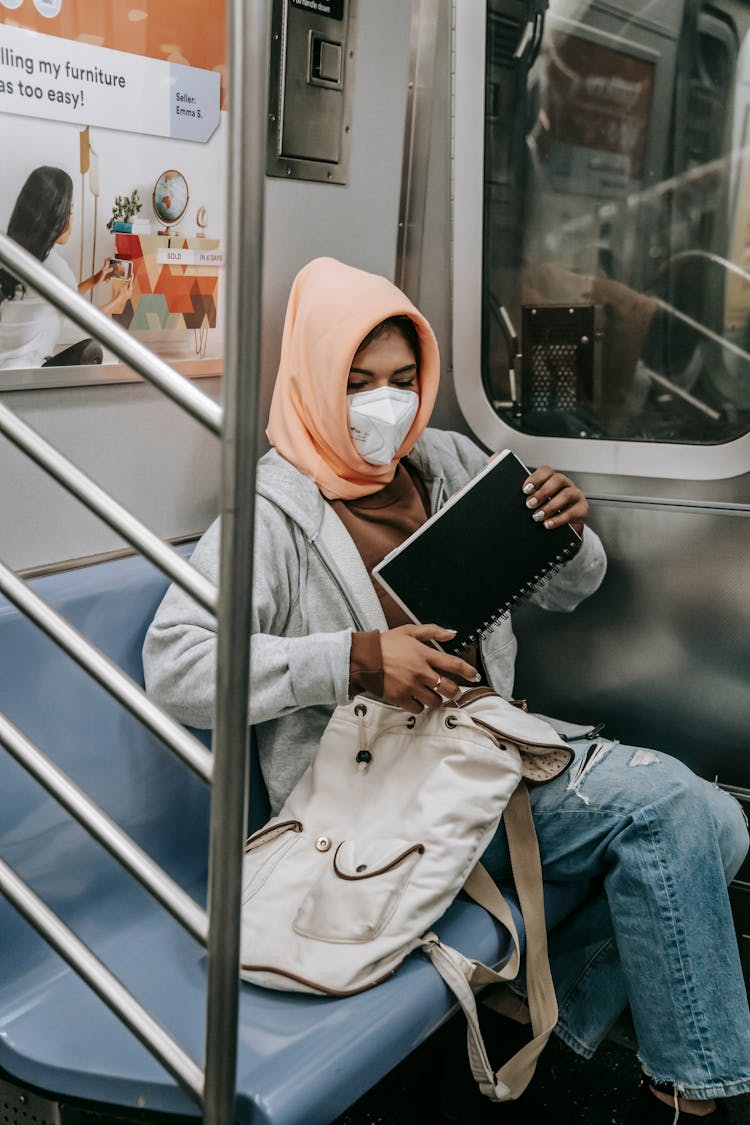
[(601, 324)]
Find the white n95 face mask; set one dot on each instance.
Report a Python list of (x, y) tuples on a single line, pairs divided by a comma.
[(380, 420)]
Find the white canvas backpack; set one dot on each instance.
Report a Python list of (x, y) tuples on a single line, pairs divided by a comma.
[(378, 837)]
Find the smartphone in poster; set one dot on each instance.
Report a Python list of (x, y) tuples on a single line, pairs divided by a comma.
[(111, 114)]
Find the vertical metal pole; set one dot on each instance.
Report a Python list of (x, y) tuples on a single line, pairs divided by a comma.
[(247, 37)]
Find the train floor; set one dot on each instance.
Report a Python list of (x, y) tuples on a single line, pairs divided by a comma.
[(434, 1086)]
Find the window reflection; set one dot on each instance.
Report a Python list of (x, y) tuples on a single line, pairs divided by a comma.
[(617, 221)]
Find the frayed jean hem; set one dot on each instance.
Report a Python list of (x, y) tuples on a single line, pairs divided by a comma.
[(708, 1092), (718, 1090)]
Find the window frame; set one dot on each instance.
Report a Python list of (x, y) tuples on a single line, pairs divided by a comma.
[(670, 460)]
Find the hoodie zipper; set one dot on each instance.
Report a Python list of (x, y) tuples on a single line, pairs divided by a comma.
[(336, 577), (328, 565)]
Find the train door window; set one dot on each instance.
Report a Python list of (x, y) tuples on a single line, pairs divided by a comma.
[(616, 266)]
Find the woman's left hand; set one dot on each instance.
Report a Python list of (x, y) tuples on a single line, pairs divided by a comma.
[(555, 500)]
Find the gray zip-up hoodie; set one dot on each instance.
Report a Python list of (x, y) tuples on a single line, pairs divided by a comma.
[(310, 591)]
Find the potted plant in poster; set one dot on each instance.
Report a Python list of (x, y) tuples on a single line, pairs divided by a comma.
[(124, 210)]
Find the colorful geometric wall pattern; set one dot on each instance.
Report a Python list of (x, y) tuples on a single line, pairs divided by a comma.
[(170, 297)]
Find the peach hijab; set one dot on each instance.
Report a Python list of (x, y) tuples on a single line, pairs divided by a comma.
[(331, 309)]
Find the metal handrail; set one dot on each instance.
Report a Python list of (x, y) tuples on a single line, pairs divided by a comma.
[(124, 345), (248, 34), (101, 826), (704, 256), (678, 392), (104, 982), (118, 518), (192, 752)]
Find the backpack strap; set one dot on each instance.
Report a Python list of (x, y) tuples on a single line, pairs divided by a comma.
[(527, 876), (464, 975), (458, 972)]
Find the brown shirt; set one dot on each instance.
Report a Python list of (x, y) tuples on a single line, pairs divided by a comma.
[(381, 522), (377, 524)]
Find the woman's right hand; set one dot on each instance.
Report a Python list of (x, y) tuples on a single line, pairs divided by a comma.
[(414, 671), (105, 273)]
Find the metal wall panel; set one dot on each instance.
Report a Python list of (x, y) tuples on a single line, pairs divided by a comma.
[(662, 651)]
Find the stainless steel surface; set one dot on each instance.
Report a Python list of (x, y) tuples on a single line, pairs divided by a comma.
[(159, 463), (100, 502), (100, 374), (425, 15), (662, 650), (117, 339), (724, 508), (247, 38), (734, 490), (180, 905), (424, 253), (95, 560), (309, 117), (107, 673), (106, 985)]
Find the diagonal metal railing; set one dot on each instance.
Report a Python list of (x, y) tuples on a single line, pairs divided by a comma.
[(212, 1086), (101, 826), (96, 974), (100, 502), (130, 694)]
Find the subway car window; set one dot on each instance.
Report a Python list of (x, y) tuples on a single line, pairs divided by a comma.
[(616, 274)]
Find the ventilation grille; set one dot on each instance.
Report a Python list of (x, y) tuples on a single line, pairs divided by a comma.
[(553, 376), (20, 1107), (557, 365)]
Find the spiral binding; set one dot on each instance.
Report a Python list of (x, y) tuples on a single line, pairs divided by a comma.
[(525, 591)]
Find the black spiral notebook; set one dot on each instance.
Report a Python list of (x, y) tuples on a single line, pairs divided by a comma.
[(470, 563)]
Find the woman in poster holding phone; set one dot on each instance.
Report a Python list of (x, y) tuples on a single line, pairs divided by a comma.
[(30, 327)]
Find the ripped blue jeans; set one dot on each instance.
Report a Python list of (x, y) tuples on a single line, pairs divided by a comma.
[(658, 935)]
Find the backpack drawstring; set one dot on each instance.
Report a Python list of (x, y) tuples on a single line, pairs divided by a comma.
[(364, 754)]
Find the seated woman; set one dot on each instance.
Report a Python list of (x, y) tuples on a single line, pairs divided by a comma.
[(30, 326), (353, 472)]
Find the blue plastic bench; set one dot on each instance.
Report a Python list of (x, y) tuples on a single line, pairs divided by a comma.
[(301, 1059)]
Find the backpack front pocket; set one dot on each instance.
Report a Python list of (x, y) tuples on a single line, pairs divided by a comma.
[(358, 892), (263, 851)]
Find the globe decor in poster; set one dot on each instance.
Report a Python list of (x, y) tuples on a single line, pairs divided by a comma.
[(112, 120)]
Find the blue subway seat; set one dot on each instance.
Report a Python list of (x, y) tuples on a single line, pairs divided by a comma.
[(302, 1059)]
